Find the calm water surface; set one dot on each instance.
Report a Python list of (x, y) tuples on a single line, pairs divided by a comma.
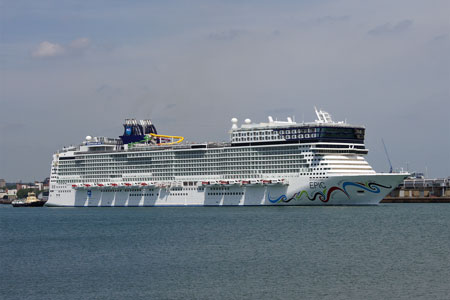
[(392, 251)]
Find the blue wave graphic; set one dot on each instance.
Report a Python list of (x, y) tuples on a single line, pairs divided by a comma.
[(371, 187), (281, 198)]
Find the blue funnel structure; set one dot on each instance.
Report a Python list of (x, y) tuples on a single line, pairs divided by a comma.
[(136, 132)]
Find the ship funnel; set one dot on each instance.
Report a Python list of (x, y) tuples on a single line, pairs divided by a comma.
[(270, 119), (135, 131)]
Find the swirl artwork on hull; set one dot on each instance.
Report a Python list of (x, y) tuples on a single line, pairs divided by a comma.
[(372, 187), (325, 194)]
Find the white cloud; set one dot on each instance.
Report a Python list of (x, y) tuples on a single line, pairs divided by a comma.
[(388, 28), (80, 43), (75, 47), (47, 49)]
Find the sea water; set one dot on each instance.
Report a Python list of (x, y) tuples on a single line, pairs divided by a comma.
[(390, 251)]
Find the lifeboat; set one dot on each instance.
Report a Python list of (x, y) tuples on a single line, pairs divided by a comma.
[(76, 187), (223, 182), (164, 185), (254, 182), (127, 184), (205, 183), (269, 181), (231, 182), (100, 184), (245, 182), (87, 185), (143, 184), (282, 181)]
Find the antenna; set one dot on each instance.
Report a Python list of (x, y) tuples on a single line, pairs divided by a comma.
[(387, 155), (323, 116)]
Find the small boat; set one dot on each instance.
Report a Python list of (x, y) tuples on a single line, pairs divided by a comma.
[(31, 201)]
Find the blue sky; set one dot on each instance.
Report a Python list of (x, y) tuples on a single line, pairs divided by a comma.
[(73, 68)]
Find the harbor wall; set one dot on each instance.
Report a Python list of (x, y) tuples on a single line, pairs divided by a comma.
[(421, 190)]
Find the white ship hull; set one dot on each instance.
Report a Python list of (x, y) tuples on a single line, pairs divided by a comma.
[(301, 190), (274, 163)]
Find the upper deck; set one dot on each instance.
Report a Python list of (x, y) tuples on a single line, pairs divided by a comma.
[(278, 132), (323, 130)]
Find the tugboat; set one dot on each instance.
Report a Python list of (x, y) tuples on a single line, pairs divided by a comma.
[(30, 201)]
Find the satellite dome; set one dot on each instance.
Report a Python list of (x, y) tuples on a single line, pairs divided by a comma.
[(234, 120), (248, 121), (88, 138)]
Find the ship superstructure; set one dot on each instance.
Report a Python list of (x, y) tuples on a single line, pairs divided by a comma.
[(271, 163)]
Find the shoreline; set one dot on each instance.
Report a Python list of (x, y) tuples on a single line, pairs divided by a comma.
[(416, 200)]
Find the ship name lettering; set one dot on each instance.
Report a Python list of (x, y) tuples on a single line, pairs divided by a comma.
[(317, 184)]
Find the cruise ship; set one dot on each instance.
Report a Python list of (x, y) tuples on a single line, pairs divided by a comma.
[(269, 163)]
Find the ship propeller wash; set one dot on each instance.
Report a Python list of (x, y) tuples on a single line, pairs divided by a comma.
[(271, 163)]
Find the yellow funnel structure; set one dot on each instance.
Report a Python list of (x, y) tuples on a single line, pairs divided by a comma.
[(180, 138)]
